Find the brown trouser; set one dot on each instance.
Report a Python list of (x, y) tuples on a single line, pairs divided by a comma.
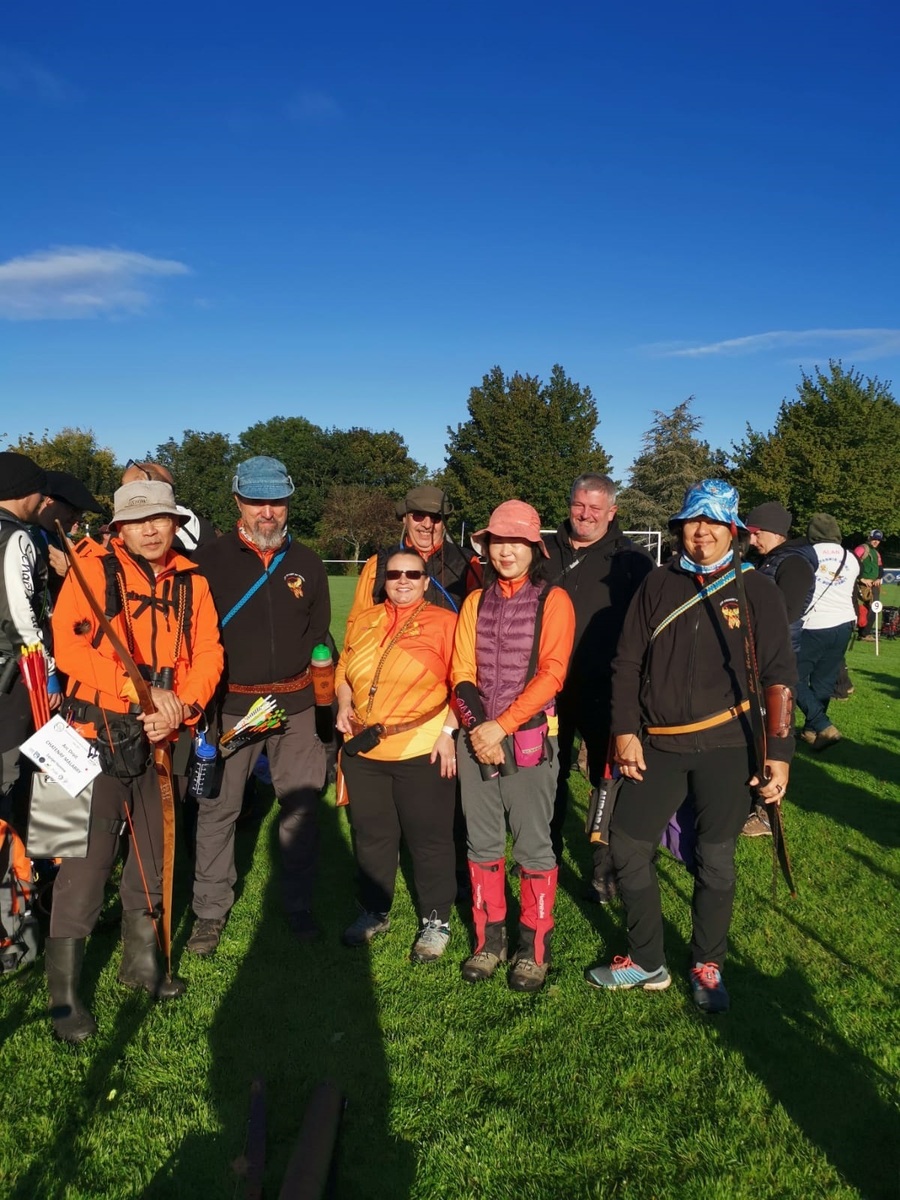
[(297, 765)]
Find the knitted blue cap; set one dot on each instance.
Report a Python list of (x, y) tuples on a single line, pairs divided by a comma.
[(711, 498)]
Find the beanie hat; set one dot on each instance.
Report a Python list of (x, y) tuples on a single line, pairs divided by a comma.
[(823, 528), (20, 476), (770, 517)]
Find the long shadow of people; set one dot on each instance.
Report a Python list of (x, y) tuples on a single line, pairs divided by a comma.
[(293, 1014), (815, 790), (835, 1095)]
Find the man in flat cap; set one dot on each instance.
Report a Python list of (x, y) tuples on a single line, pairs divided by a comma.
[(272, 596), (24, 610), (453, 572)]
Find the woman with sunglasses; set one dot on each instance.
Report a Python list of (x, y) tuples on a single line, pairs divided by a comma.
[(399, 759), (513, 645)]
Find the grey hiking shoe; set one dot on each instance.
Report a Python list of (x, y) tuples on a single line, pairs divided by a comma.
[(623, 972), (366, 926), (432, 940), (205, 936), (526, 975)]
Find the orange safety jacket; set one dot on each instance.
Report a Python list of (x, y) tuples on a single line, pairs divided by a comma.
[(166, 620)]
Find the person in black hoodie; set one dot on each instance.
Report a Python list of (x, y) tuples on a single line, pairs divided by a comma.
[(600, 569), (679, 717)]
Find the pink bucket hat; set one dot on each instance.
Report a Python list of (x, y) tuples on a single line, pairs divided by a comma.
[(512, 519)]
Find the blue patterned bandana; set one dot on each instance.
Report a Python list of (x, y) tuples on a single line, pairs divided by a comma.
[(688, 564)]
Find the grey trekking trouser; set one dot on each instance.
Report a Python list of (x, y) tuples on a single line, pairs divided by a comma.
[(297, 765)]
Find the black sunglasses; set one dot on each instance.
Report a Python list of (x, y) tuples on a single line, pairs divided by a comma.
[(393, 576), (418, 515)]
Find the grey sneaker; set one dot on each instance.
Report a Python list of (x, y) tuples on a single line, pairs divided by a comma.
[(432, 940), (623, 972), (366, 926), (205, 936)]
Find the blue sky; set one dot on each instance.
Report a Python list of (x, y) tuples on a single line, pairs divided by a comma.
[(210, 217)]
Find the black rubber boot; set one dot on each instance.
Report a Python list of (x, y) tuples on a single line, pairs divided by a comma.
[(140, 967), (62, 962)]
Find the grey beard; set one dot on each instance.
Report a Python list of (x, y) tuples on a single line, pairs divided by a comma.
[(266, 541)]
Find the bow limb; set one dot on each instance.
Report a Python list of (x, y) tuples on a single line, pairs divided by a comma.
[(162, 754)]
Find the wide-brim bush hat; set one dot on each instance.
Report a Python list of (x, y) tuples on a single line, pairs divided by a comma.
[(511, 519), (711, 498), (262, 478), (145, 498)]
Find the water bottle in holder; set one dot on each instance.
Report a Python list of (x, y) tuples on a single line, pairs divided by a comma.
[(202, 781)]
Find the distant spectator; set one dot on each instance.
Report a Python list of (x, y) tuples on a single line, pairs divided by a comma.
[(868, 586), (826, 629)]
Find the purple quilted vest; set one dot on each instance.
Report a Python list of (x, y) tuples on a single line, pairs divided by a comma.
[(504, 637)]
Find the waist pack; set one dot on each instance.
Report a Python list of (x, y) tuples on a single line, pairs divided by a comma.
[(122, 746)]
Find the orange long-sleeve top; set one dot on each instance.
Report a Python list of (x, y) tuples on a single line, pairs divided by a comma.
[(414, 677), (95, 672), (554, 652), (362, 596)]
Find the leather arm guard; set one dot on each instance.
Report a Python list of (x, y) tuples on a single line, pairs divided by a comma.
[(779, 711)]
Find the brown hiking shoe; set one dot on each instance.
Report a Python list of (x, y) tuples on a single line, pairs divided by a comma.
[(481, 966), (756, 826), (826, 738), (205, 937), (808, 736), (526, 975)]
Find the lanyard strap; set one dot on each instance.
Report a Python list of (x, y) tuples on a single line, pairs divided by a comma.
[(710, 588), (251, 591)]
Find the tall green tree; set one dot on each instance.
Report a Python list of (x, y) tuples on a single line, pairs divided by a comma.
[(76, 451), (524, 439), (835, 449), (202, 465), (673, 458)]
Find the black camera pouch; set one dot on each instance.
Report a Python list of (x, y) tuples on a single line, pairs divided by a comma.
[(367, 740), (122, 746)]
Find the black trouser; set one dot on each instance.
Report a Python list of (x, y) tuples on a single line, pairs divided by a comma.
[(388, 799), (78, 890), (717, 781), (588, 716)]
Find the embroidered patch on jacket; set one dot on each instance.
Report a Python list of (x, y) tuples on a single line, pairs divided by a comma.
[(295, 583), (731, 613)]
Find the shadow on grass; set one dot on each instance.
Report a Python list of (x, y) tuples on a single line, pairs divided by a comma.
[(827, 1088), (815, 789), (296, 1014)]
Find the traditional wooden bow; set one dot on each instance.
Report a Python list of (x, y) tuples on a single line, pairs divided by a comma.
[(162, 754)]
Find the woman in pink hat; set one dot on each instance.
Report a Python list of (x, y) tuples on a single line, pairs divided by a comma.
[(512, 649)]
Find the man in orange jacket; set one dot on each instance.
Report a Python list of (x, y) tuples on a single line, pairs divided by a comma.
[(163, 611)]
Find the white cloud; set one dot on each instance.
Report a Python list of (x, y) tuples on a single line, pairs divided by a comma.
[(863, 343), (314, 108), (72, 282), (22, 75)]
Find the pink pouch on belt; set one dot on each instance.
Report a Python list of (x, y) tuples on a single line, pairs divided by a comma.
[(529, 745)]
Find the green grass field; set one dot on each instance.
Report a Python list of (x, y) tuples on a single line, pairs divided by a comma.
[(477, 1092)]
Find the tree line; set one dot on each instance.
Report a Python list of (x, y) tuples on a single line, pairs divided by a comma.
[(834, 447)]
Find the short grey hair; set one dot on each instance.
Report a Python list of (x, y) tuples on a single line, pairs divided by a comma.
[(594, 483)]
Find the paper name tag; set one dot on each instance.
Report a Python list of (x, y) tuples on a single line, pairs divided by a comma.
[(68, 759)]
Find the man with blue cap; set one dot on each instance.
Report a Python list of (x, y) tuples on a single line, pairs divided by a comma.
[(272, 597), (680, 704)]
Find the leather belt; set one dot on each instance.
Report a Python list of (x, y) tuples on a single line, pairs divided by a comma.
[(719, 718), (388, 730), (296, 683)]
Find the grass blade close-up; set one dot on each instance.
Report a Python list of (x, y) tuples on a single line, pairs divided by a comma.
[(466, 1091)]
